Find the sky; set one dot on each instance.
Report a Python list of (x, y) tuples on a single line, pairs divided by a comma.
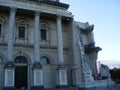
[(105, 15)]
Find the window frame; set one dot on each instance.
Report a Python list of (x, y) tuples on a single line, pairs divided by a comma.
[(45, 26), (22, 23)]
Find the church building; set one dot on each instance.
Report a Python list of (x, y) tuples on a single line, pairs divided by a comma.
[(43, 47)]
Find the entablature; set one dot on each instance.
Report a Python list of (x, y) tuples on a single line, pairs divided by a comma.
[(30, 6)]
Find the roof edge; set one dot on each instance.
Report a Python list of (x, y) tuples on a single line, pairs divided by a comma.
[(56, 3)]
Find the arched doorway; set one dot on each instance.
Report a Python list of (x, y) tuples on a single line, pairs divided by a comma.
[(21, 72)]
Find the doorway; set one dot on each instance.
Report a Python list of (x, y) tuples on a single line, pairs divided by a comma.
[(21, 80), (21, 72)]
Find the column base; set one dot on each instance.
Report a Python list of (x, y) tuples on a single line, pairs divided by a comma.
[(9, 76), (9, 88), (37, 88), (62, 76)]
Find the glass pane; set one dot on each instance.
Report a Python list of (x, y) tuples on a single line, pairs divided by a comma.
[(0, 29), (21, 32), (43, 34)]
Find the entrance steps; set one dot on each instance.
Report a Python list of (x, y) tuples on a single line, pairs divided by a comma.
[(69, 88)]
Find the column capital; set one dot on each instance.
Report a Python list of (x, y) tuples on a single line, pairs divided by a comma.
[(9, 64), (37, 65), (13, 9), (59, 16), (37, 12)]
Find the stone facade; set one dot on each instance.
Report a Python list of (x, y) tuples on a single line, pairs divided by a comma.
[(41, 46)]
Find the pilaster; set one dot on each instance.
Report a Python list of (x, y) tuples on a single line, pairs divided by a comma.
[(60, 42), (9, 78)]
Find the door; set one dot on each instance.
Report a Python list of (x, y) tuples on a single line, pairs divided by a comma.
[(21, 80)]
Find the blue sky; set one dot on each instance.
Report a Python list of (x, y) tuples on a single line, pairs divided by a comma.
[(105, 15)]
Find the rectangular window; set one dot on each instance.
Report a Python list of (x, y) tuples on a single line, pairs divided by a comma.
[(43, 34), (21, 32), (0, 29)]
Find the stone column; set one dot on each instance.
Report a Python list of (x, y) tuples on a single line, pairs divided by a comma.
[(37, 68), (60, 42), (61, 70), (11, 34), (37, 37), (9, 69)]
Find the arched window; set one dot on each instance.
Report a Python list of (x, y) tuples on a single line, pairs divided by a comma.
[(44, 29), (22, 27), (21, 59), (44, 60), (22, 30)]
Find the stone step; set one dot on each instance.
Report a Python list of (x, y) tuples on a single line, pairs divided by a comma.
[(70, 88)]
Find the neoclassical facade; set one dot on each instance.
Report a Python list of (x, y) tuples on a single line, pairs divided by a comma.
[(41, 46)]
